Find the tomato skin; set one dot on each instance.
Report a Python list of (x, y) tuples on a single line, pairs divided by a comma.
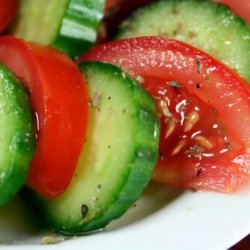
[(240, 7), (124, 5), (8, 9), (156, 60), (58, 97), (110, 4), (115, 12)]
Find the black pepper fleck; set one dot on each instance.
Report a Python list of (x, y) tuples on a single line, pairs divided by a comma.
[(192, 189), (198, 85), (199, 172), (213, 111), (84, 210)]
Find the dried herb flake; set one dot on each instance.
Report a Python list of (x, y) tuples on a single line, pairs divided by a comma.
[(196, 151), (49, 240), (199, 66), (95, 100), (227, 145), (175, 85)]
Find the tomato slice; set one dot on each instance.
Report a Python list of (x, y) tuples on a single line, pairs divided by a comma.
[(110, 4), (204, 109), (115, 12), (240, 7), (8, 9), (59, 100)]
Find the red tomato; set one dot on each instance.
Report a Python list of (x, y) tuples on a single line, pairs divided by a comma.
[(110, 4), (59, 100), (204, 109), (115, 12), (8, 9), (125, 5), (240, 7)]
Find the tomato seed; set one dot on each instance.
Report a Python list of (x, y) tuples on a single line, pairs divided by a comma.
[(191, 120), (171, 127), (175, 85), (179, 147), (205, 143), (140, 79), (162, 105)]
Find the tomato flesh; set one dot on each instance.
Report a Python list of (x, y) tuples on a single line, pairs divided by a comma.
[(8, 9), (204, 109), (192, 134), (58, 97)]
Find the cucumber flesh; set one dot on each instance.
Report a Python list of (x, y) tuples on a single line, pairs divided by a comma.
[(17, 141), (69, 25), (40, 20), (208, 26), (118, 158)]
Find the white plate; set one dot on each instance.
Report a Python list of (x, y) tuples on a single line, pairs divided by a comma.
[(162, 219)]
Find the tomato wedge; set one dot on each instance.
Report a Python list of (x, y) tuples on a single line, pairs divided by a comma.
[(8, 9), (204, 109), (115, 12), (59, 100)]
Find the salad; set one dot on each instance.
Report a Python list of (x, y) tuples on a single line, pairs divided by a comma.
[(100, 97)]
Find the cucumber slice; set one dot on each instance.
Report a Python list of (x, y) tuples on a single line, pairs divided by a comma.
[(69, 25), (17, 142), (208, 26), (118, 158)]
